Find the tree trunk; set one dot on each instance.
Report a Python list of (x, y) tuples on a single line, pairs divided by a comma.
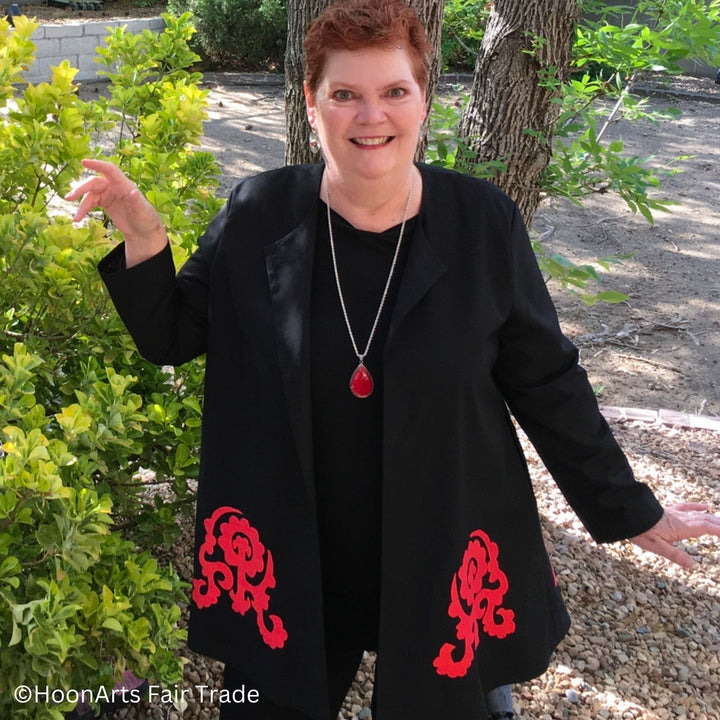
[(430, 13), (297, 144), (512, 112), (300, 15)]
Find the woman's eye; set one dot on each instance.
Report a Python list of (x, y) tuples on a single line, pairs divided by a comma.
[(342, 95), (397, 92)]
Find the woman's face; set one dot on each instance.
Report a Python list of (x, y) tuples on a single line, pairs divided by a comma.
[(367, 112)]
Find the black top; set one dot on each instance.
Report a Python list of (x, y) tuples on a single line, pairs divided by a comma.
[(347, 431)]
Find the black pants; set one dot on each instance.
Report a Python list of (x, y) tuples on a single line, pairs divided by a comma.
[(342, 666)]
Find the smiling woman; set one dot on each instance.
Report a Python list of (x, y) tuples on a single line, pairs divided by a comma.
[(369, 324)]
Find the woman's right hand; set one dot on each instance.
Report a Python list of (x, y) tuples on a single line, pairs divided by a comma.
[(130, 211)]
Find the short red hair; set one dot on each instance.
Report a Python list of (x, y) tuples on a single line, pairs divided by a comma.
[(358, 24)]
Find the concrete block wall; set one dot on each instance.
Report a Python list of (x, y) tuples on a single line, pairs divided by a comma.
[(77, 42)]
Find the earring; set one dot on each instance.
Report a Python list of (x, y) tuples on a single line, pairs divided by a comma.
[(314, 141)]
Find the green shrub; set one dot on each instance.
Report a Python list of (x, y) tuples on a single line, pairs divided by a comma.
[(238, 34), (462, 32), (79, 601)]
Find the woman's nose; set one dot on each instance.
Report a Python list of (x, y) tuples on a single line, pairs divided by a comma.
[(371, 112)]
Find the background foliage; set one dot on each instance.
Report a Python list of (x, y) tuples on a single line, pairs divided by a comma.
[(238, 34), (79, 601)]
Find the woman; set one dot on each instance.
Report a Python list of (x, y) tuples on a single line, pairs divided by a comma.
[(367, 322)]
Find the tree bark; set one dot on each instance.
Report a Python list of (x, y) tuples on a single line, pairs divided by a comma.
[(430, 13), (300, 14), (297, 144), (512, 111)]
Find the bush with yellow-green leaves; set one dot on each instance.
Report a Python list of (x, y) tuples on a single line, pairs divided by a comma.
[(82, 599)]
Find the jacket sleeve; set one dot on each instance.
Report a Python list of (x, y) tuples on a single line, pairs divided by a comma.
[(166, 314), (549, 393)]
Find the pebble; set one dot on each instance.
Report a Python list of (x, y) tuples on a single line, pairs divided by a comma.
[(572, 696)]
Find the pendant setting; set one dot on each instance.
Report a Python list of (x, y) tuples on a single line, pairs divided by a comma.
[(361, 382)]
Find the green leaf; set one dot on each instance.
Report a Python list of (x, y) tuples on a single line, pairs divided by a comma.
[(112, 624)]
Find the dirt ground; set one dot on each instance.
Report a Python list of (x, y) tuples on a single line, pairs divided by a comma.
[(112, 10), (661, 348)]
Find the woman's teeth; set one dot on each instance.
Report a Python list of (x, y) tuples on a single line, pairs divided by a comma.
[(371, 141)]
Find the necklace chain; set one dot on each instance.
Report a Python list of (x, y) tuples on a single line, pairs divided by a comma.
[(361, 356)]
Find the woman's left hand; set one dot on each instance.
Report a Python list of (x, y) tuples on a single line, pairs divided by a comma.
[(678, 522)]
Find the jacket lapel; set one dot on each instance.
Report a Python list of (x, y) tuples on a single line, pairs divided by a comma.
[(424, 266), (289, 264)]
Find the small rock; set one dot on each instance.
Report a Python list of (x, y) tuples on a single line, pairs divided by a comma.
[(364, 714), (572, 696)]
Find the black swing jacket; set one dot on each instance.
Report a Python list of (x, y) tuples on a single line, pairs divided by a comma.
[(468, 597)]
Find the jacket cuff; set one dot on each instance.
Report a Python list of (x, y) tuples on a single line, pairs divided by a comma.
[(627, 512), (113, 270)]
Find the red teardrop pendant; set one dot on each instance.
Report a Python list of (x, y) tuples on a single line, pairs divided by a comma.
[(361, 382)]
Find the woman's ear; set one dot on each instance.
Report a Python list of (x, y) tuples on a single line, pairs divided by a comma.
[(309, 105)]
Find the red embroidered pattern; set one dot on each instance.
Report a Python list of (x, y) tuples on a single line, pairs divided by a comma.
[(233, 559), (476, 594)]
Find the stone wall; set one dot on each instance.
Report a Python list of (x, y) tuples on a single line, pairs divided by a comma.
[(77, 42)]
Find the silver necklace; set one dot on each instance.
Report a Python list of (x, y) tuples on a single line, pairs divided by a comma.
[(361, 381)]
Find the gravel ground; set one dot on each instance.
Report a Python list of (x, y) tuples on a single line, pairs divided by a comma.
[(645, 639)]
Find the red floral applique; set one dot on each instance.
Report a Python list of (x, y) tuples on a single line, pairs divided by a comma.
[(476, 594), (233, 559)]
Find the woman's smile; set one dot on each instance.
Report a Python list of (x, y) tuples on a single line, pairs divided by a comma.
[(371, 142)]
